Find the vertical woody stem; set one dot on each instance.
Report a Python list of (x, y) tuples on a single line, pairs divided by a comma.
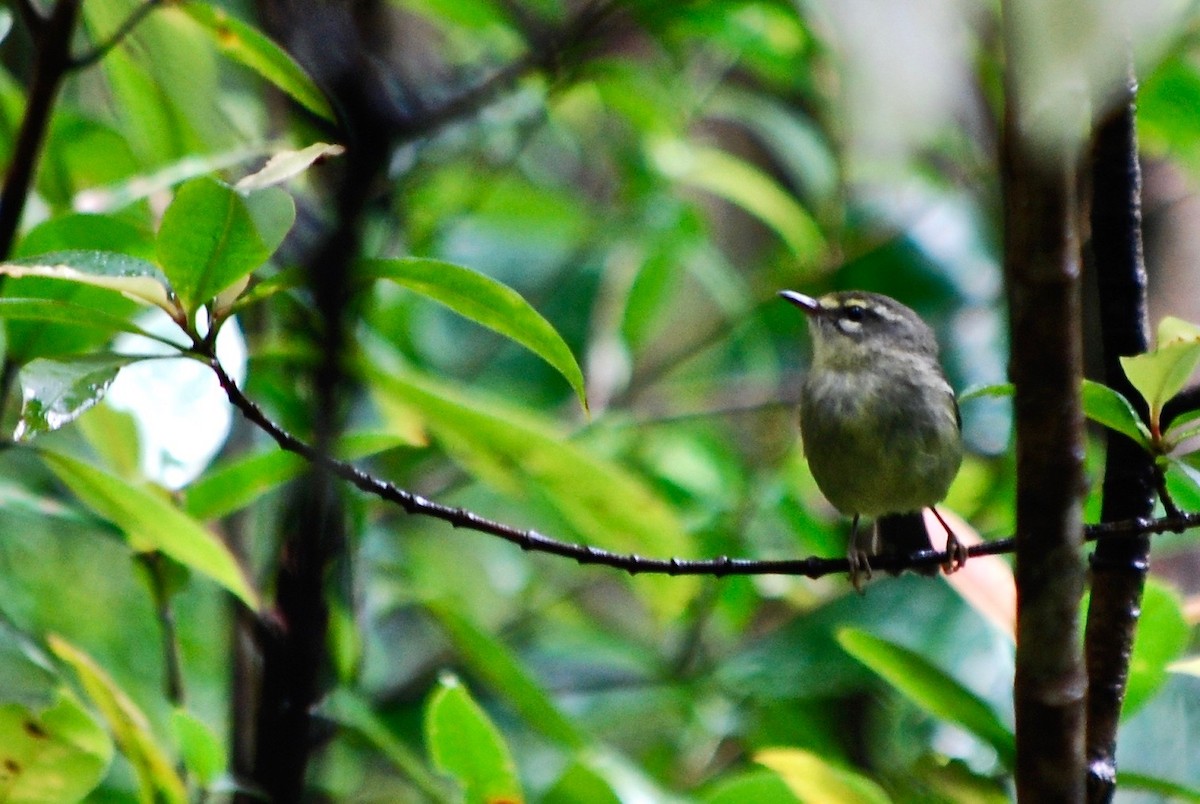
[(1118, 566), (1041, 264)]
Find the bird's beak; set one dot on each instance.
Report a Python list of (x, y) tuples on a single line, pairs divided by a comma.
[(808, 304)]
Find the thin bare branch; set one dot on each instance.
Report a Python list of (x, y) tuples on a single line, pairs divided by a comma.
[(51, 61), (30, 15), (550, 56), (721, 566)]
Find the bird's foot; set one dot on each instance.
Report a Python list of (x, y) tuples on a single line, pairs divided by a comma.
[(956, 551), (860, 567), (956, 554), (858, 557)]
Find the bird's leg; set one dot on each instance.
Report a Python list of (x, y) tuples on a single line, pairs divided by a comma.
[(956, 551), (858, 556)]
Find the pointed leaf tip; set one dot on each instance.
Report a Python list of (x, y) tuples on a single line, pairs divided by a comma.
[(485, 301)]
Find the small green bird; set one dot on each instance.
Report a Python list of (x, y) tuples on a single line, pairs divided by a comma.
[(879, 422)]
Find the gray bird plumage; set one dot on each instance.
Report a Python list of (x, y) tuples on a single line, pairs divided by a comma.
[(878, 419)]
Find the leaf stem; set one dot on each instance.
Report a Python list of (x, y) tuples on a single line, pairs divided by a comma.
[(156, 570)]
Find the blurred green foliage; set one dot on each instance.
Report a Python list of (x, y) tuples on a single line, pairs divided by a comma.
[(618, 227)]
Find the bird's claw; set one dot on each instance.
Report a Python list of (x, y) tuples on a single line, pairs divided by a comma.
[(956, 554), (860, 568), (956, 551)]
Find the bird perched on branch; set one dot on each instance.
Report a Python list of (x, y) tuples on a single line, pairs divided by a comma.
[(879, 422)]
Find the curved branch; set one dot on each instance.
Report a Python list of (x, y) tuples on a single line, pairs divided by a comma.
[(123, 30), (548, 57), (51, 62), (722, 566)]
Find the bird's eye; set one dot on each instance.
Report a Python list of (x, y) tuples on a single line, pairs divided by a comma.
[(855, 312)]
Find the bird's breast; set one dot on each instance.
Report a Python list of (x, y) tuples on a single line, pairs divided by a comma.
[(880, 441)]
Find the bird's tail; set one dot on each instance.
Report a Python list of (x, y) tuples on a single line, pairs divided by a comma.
[(903, 535)]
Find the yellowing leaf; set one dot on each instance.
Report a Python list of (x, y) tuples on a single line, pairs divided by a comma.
[(286, 164), (1172, 330), (1161, 374), (136, 279), (57, 754), (155, 772), (152, 523), (813, 778)]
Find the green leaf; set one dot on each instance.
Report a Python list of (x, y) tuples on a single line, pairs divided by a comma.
[(114, 438), (156, 775), (516, 451), (1184, 426), (1172, 331), (745, 186), (473, 14), (116, 196), (636, 92), (250, 47), (55, 393), (1105, 406), (929, 688), (164, 81), (758, 785), (998, 390), (284, 165), (487, 302), (82, 318), (279, 283), (273, 211), (1101, 404), (811, 778), (494, 663), (1161, 638), (27, 675), (208, 240), (464, 743), (136, 279), (352, 712), (75, 232), (152, 523), (54, 311), (797, 142), (51, 755), (579, 783), (202, 752), (1183, 479), (1166, 789), (1162, 373), (1169, 109), (225, 489)]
